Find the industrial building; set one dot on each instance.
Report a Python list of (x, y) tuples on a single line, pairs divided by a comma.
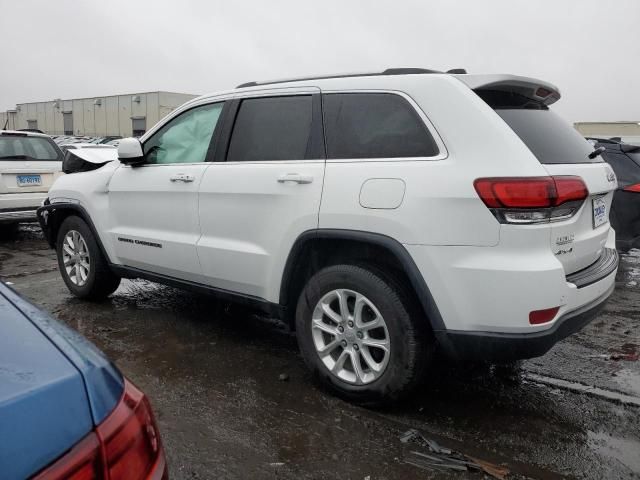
[(608, 129), (117, 115)]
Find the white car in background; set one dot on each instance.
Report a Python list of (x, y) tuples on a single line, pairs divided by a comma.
[(29, 163)]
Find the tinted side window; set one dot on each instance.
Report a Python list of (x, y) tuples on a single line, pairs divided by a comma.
[(374, 125), (271, 128), (186, 138)]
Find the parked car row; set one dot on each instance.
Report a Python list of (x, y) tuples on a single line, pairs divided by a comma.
[(70, 139)]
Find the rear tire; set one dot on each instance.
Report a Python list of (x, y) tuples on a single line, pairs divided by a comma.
[(331, 342), (82, 265)]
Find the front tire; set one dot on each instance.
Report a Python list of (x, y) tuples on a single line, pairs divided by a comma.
[(361, 335), (82, 265)]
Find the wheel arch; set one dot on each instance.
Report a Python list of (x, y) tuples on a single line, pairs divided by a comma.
[(316, 249), (51, 215)]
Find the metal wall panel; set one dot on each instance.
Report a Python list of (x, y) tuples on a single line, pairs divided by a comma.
[(58, 124), (41, 116), (139, 108), (124, 115), (89, 117), (49, 118), (32, 113), (78, 117), (111, 109), (100, 116), (153, 109)]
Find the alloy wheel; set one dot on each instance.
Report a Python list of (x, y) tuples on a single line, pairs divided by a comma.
[(75, 257), (350, 336)]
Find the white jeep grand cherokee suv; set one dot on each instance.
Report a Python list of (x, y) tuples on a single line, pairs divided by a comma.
[(384, 216), (29, 163)]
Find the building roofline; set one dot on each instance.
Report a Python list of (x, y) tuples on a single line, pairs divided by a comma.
[(106, 96)]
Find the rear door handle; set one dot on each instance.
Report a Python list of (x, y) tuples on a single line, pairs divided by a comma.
[(181, 177), (295, 178)]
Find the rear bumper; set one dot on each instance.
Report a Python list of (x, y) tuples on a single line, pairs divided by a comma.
[(19, 215), (503, 347), (485, 295), (20, 207)]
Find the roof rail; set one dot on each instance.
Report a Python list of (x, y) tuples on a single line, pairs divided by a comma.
[(388, 71)]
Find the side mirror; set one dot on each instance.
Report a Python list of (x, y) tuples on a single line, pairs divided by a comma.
[(130, 151)]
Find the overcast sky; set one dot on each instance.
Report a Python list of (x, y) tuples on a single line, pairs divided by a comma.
[(72, 49)]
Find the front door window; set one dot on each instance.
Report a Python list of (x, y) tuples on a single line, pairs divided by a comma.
[(186, 138)]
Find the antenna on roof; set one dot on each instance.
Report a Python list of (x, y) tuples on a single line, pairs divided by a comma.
[(457, 71)]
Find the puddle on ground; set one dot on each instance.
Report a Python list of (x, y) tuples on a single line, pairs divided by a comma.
[(624, 450), (631, 261)]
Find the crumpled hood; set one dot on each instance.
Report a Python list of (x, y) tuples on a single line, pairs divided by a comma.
[(87, 159), (96, 155)]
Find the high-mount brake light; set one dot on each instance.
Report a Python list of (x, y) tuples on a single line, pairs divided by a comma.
[(526, 200), (126, 445)]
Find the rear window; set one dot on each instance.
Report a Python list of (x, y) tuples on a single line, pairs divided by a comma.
[(30, 148), (549, 137), (374, 125)]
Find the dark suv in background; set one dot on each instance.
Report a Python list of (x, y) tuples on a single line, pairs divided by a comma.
[(625, 211)]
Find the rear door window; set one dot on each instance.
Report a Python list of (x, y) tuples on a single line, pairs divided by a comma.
[(374, 125), (272, 128), (550, 138)]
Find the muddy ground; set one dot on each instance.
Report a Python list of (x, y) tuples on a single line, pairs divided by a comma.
[(213, 376)]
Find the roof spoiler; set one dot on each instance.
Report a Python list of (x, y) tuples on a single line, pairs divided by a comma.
[(537, 90)]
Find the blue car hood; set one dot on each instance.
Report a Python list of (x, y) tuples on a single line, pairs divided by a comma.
[(54, 387)]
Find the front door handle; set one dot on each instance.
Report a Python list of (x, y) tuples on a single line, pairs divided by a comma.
[(181, 177), (295, 177)]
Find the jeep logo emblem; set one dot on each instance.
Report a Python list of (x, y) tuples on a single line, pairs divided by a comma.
[(611, 177)]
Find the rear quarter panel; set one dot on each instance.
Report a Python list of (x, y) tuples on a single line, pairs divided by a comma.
[(440, 205)]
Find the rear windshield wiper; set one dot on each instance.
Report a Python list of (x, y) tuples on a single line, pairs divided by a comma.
[(598, 151)]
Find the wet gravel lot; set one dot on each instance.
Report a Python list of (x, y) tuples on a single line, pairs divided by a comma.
[(213, 374)]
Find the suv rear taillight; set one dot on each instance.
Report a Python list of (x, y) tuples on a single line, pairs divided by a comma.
[(632, 188), (126, 445), (526, 200)]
